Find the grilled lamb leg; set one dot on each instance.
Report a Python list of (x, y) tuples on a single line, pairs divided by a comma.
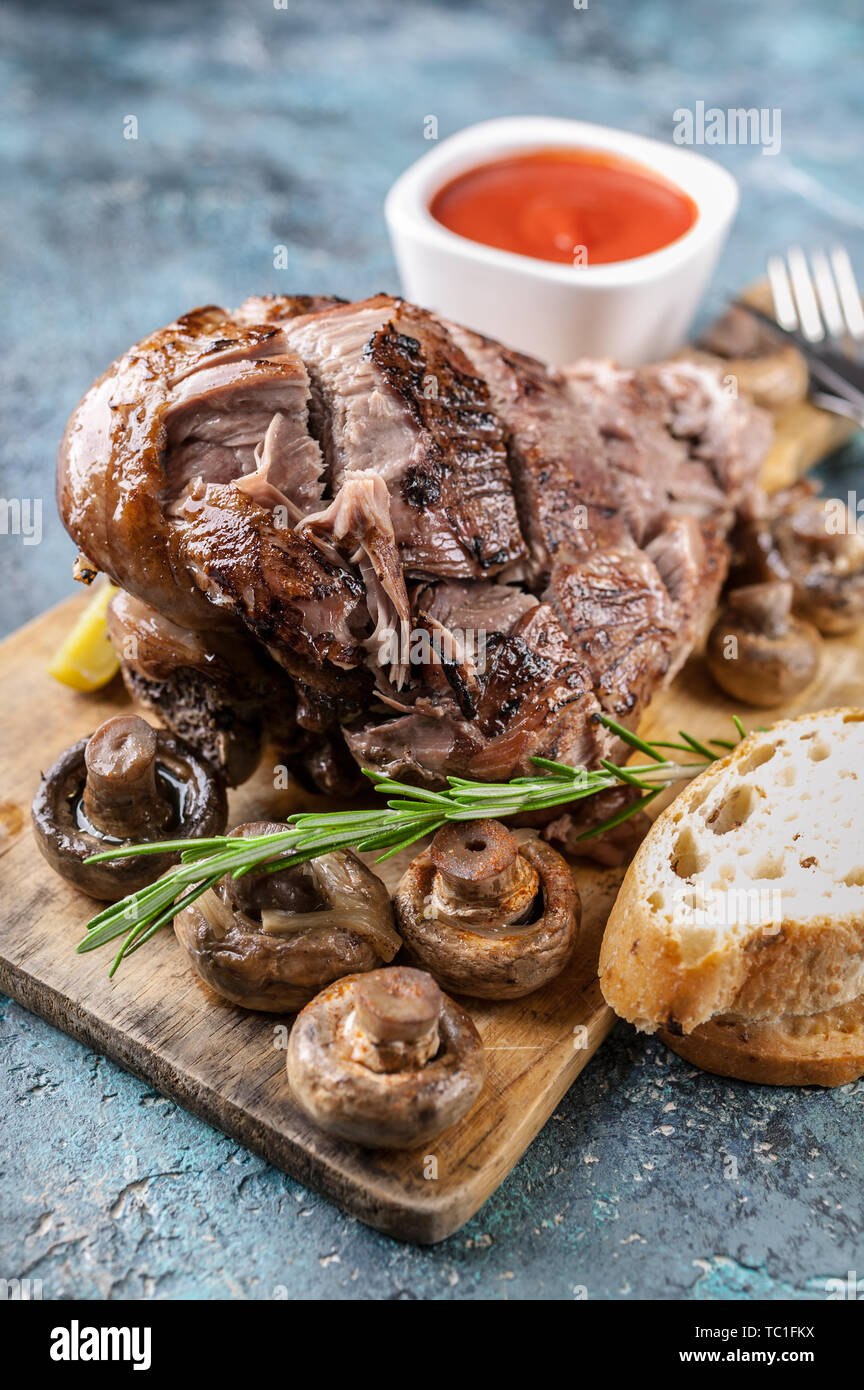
[(569, 502), (304, 486)]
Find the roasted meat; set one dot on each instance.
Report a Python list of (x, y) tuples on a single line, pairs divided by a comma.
[(219, 691), (397, 397), (498, 683), (355, 526)]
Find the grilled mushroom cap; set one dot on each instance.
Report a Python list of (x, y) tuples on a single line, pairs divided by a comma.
[(487, 916), (271, 941), (769, 370), (757, 651), (385, 1059), (126, 783)]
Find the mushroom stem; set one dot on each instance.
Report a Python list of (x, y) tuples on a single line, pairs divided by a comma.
[(395, 1023), (480, 874), (121, 796)]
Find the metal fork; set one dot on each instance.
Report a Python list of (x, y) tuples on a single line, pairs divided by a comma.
[(821, 302)]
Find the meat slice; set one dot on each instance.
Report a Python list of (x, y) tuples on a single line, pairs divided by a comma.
[(395, 395), (522, 693), (460, 617), (634, 616), (357, 521), (692, 560), (243, 418), (423, 749), (308, 611), (603, 457), (182, 474), (677, 433), (569, 502), (203, 401), (278, 308), (728, 434), (622, 622)]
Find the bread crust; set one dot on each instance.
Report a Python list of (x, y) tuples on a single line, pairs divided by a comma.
[(651, 978), (825, 1049)]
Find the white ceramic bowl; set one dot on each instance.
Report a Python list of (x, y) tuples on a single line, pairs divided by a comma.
[(633, 311)]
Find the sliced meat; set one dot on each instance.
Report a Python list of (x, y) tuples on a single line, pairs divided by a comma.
[(287, 472), (460, 617), (692, 560), (357, 524), (398, 397), (569, 502), (203, 401), (623, 624), (677, 433), (535, 705), (522, 693), (278, 308), (417, 748), (310, 612), (634, 616), (242, 418), (728, 434), (602, 457)]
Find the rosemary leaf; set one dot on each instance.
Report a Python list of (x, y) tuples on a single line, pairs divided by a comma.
[(627, 736), (698, 747)]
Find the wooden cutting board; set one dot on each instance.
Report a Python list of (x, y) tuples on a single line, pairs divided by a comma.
[(226, 1065)]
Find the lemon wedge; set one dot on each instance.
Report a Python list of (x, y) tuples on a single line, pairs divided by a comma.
[(86, 659)]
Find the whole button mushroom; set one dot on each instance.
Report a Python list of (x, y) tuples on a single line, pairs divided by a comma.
[(271, 941), (385, 1059), (126, 783), (487, 916), (757, 651)]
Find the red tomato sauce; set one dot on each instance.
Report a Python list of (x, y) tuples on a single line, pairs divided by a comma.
[(550, 204)]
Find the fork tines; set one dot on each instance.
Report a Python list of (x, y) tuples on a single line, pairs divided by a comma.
[(819, 300)]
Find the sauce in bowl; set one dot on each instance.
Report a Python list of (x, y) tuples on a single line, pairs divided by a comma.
[(573, 206)]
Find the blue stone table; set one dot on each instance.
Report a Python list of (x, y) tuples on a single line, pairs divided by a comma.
[(261, 127)]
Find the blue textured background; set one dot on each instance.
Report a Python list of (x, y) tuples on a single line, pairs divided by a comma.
[(261, 127)]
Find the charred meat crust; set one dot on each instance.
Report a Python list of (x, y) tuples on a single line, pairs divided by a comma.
[(463, 472)]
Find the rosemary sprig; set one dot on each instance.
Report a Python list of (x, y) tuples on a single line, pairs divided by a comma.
[(411, 813)]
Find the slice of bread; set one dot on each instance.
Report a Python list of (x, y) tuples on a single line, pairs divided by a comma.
[(824, 1049), (747, 895)]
